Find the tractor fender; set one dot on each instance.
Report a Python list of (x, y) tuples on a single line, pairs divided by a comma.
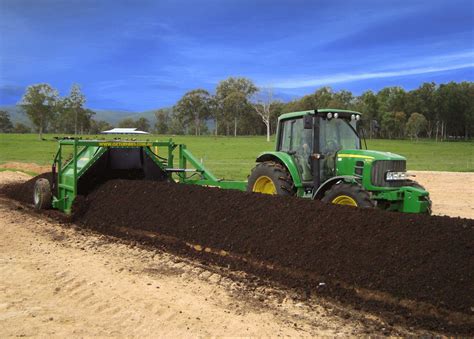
[(319, 193), (286, 160)]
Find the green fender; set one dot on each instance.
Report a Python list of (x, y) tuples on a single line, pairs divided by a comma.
[(287, 161), (319, 193)]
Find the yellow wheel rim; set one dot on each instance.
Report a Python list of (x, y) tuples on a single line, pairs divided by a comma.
[(344, 200), (264, 185)]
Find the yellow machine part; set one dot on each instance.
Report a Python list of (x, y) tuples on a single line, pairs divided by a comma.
[(264, 185), (344, 200)]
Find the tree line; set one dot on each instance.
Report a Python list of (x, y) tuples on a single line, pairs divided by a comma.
[(49, 112), (238, 107)]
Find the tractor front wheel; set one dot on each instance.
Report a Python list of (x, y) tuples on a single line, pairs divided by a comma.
[(42, 194), (348, 194), (270, 177)]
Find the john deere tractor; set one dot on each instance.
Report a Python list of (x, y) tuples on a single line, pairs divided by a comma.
[(319, 155)]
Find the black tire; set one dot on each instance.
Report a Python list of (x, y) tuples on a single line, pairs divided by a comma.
[(348, 194), (274, 172), (42, 194), (417, 185)]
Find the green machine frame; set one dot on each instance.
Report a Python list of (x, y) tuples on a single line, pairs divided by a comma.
[(83, 154)]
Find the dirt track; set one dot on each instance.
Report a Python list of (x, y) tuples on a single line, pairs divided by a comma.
[(81, 283)]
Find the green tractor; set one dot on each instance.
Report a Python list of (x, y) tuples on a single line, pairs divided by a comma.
[(319, 155)]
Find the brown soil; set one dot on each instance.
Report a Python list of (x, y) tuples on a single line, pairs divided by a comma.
[(393, 264)]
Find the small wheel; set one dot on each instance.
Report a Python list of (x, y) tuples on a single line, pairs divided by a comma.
[(270, 177), (42, 194), (349, 195)]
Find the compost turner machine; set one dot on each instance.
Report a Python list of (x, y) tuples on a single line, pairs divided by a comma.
[(91, 162), (318, 155)]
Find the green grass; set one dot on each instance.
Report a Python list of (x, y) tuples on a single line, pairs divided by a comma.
[(233, 158)]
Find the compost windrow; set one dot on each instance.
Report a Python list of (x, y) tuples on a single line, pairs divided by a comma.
[(427, 259)]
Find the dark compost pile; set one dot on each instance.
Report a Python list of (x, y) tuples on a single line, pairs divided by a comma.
[(428, 260)]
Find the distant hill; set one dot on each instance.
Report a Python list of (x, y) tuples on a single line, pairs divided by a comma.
[(111, 116)]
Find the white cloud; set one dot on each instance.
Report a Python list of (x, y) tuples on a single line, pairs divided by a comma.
[(348, 77)]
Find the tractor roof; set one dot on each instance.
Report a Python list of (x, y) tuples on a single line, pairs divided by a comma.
[(343, 112)]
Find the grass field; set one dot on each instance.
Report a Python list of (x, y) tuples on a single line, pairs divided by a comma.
[(233, 158)]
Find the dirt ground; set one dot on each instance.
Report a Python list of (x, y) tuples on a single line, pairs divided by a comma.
[(452, 193), (26, 167), (61, 280)]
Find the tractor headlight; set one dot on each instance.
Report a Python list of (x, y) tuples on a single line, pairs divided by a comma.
[(329, 116), (393, 176)]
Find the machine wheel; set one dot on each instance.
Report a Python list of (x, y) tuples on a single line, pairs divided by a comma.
[(42, 194), (348, 194), (270, 177)]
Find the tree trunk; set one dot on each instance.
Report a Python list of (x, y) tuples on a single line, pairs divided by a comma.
[(41, 129), (75, 122), (215, 119), (268, 131), (235, 127)]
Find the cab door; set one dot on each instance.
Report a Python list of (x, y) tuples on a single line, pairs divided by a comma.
[(297, 142)]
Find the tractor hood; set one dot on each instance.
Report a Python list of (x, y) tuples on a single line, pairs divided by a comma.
[(367, 155)]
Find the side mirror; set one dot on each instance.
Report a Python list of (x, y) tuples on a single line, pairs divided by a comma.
[(308, 121)]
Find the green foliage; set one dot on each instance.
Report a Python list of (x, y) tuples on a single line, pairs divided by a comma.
[(97, 126), (142, 124), (73, 117), (21, 128), (193, 108), (233, 101), (162, 121), (6, 125), (40, 103), (416, 124), (126, 123)]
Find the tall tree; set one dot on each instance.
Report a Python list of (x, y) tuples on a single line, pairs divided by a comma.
[(142, 124), (263, 105), (97, 126), (6, 125), (162, 121), (194, 107), (40, 105), (368, 104), (74, 105), (233, 96), (416, 124)]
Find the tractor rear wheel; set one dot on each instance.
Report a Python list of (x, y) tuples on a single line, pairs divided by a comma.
[(42, 194), (270, 177), (348, 194)]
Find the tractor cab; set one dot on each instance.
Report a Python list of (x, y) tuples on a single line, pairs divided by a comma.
[(319, 155), (314, 139)]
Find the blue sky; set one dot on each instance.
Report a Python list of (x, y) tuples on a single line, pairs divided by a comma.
[(140, 55)]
